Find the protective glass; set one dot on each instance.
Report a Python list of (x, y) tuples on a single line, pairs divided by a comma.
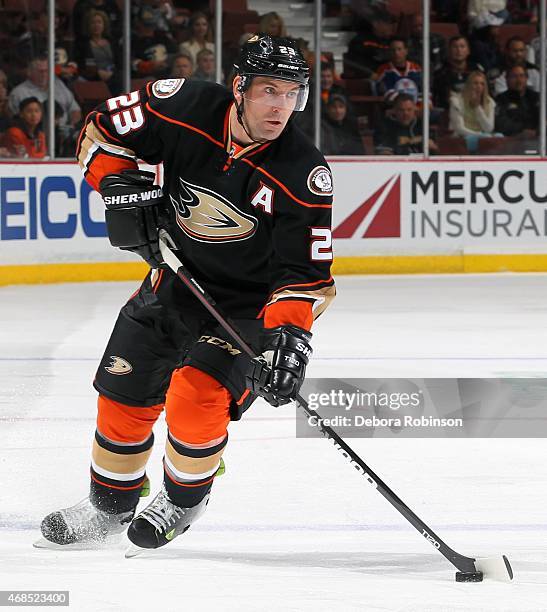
[(289, 95)]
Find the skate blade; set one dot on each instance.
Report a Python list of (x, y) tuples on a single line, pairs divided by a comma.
[(135, 551), (495, 568)]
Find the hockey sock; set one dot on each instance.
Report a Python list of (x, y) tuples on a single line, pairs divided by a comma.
[(117, 491), (187, 489)]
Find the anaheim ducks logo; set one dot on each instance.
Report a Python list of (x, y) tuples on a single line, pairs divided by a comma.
[(119, 366), (206, 216)]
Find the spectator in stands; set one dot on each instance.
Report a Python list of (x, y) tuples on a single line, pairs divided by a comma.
[(523, 11), (23, 43), (402, 133), (487, 13), (95, 56), (183, 67), (534, 47), (5, 114), (369, 49), (36, 43), (447, 10), (472, 112), (399, 67), (453, 74), (272, 24), (200, 37), (26, 137), (205, 68), (230, 54), (339, 132), (329, 85), (517, 109), (110, 7), (65, 68), (515, 55), (39, 30), (65, 137), (151, 49), (163, 13), (437, 45), (36, 87), (485, 48)]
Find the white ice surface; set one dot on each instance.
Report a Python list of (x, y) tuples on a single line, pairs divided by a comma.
[(290, 526)]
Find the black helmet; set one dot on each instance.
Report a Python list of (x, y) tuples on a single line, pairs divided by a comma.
[(273, 56)]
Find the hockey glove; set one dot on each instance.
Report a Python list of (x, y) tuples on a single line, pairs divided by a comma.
[(278, 373), (132, 213)]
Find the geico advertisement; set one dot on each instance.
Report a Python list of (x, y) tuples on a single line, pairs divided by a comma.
[(48, 213), (440, 207)]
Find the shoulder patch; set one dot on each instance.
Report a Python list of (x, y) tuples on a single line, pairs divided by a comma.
[(165, 88), (320, 181)]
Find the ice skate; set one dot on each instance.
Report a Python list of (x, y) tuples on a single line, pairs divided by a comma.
[(160, 522), (81, 526)]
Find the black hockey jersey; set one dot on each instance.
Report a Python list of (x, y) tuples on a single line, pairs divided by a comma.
[(253, 224)]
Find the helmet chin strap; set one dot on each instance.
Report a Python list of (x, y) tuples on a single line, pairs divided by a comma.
[(239, 114)]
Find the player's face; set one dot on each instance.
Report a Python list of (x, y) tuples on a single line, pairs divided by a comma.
[(269, 104)]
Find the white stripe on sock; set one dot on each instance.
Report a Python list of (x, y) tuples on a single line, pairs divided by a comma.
[(124, 477), (185, 476)]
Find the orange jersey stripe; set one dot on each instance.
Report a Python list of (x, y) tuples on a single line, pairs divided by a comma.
[(185, 125), (158, 281), (104, 131), (285, 189), (319, 282), (243, 397)]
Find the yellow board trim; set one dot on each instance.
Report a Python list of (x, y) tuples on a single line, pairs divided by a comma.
[(72, 273), (440, 264), (415, 264)]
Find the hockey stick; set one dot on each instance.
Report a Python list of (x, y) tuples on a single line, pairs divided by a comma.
[(469, 569)]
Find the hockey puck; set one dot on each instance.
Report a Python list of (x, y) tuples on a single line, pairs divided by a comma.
[(469, 576)]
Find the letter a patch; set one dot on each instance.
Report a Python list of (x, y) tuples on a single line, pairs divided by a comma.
[(264, 197)]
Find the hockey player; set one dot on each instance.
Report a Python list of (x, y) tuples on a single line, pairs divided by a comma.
[(247, 201)]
